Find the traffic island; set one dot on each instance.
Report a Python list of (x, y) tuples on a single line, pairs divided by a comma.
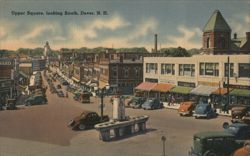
[(121, 126)]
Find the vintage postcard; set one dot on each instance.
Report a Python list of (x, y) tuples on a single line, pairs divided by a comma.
[(124, 78)]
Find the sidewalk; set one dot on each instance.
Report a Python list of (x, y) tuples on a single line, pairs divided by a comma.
[(176, 106)]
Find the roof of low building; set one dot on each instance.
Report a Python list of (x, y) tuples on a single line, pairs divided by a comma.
[(238, 43)]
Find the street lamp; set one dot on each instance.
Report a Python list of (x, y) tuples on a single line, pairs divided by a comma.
[(102, 96), (163, 139)]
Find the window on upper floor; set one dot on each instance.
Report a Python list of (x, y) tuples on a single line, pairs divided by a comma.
[(209, 69), (231, 71), (167, 69), (187, 70), (244, 69), (151, 68), (208, 42)]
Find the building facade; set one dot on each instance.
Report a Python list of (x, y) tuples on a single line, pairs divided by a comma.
[(199, 70)]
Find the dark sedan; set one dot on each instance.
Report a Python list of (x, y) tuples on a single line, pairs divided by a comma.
[(136, 102), (152, 104), (241, 131), (86, 120)]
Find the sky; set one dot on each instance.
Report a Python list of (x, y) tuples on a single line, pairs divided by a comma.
[(130, 23)]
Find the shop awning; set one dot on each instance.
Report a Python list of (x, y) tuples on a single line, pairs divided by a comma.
[(102, 84), (147, 86), (75, 79), (240, 92), (181, 90), (162, 87), (221, 91), (203, 90)]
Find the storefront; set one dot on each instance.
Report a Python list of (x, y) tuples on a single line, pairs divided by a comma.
[(240, 97), (202, 93), (161, 91), (145, 87), (180, 94)]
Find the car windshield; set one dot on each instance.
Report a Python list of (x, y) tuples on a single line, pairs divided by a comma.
[(200, 108)]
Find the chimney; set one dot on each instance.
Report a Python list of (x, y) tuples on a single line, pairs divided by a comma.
[(155, 42), (235, 35), (248, 36)]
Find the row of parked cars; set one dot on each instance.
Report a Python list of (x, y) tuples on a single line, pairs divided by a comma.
[(200, 110), (233, 141), (37, 97), (141, 102)]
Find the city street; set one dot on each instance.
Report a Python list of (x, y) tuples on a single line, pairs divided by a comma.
[(42, 130)]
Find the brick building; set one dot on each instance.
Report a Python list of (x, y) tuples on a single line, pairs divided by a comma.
[(217, 37)]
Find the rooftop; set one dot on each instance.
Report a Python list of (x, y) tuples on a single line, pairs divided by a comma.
[(216, 22)]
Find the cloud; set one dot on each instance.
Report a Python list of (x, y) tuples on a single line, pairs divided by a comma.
[(89, 30), (143, 28), (185, 39), (239, 24)]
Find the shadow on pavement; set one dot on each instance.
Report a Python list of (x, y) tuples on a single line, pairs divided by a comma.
[(132, 135)]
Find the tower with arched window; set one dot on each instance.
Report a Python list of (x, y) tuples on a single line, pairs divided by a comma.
[(216, 35)]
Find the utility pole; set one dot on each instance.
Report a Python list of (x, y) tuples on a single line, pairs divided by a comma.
[(228, 76), (102, 104)]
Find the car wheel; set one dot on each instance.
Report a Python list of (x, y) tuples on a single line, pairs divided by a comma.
[(209, 153), (82, 127)]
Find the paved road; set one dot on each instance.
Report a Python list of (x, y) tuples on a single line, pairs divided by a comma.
[(41, 130)]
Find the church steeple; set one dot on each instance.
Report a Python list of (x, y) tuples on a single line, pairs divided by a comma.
[(216, 35)]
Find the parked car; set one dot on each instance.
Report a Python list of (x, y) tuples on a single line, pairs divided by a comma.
[(65, 83), (204, 110), (59, 87), (136, 102), (244, 151), (83, 97), (60, 93), (86, 120), (36, 99), (214, 144), (186, 108), (241, 114), (241, 131), (11, 104), (152, 104)]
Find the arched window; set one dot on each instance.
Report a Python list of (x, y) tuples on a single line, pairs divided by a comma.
[(208, 41), (222, 43)]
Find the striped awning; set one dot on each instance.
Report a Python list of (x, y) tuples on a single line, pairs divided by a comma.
[(203, 90), (162, 87), (146, 86), (181, 90), (221, 91), (240, 92)]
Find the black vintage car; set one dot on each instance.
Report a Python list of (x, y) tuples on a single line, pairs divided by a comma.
[(214, 144), (86, 120)]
